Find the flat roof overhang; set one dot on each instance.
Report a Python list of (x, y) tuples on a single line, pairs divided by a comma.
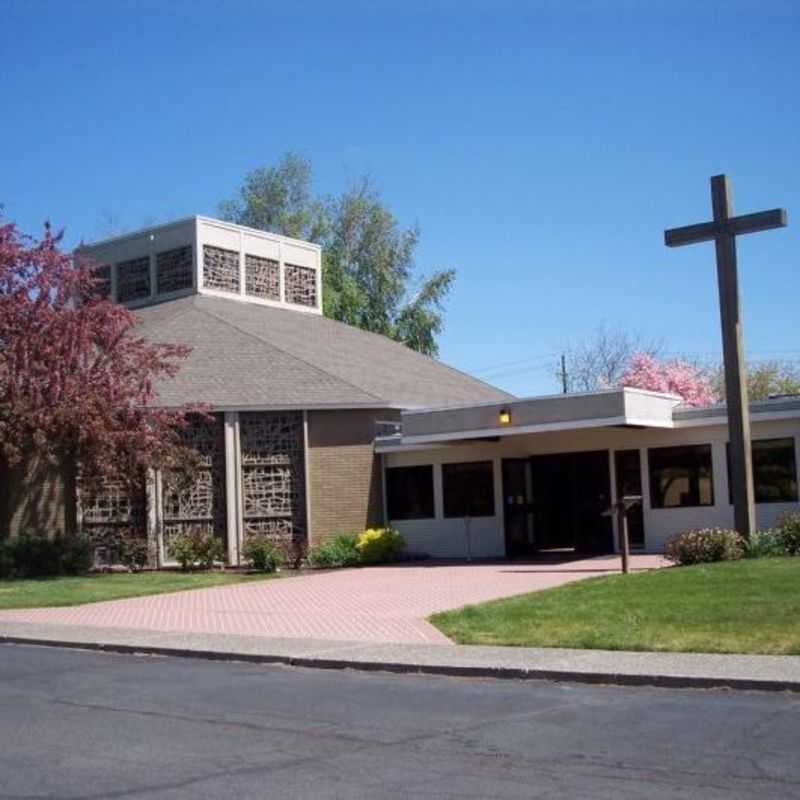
[(611, 408)]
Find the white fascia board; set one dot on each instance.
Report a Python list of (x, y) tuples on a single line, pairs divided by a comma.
[(121, 237), (275, 237), (722, 419), (485, 433), (512, 401)]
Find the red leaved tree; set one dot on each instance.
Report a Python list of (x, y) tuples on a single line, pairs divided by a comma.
[(76, 382)]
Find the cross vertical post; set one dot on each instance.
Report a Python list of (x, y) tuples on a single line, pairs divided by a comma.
[(741, 460), (723, 231)]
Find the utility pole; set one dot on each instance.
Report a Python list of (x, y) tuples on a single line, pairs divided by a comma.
[(564, 373)]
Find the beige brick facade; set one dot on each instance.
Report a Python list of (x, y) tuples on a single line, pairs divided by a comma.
[(345, 482), (34, 499)]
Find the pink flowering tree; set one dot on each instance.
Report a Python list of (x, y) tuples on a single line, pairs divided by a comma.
[(673, 377), (76, 382)]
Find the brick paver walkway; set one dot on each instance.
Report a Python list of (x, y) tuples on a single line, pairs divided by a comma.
[(373, 604)]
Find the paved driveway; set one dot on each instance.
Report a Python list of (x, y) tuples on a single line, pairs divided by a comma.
[(372, 604)]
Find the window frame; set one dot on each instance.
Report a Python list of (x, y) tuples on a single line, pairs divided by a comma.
[(408, 514), (657, 497), (458, 466), (789, 439)]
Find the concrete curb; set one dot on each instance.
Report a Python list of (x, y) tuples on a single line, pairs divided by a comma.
[(446, 666)]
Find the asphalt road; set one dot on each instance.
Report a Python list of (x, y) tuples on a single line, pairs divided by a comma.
[(91, 725)]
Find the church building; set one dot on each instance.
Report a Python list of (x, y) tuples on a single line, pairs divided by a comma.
[(319, 428), (297, 398)]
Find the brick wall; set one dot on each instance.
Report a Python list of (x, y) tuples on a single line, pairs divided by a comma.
[(35, 498), (346, 488)]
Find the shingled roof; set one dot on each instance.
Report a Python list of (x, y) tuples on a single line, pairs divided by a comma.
[(247, 355)]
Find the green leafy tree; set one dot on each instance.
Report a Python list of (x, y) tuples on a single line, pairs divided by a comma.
[(764, 379), (278, 199), (369, 271)]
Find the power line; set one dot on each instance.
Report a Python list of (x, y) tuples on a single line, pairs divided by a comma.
[(502, 364), (518, 371), (551, 359)]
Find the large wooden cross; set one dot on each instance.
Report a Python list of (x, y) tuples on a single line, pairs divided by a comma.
[(723, 231)]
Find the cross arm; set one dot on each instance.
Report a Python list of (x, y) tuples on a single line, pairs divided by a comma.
[(762, 221), (735, 226), (691, 234)]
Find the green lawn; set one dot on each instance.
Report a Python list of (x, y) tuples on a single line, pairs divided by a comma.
[(750, 606), (42, 592)]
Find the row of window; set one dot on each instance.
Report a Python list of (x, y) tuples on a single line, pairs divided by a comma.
[(468, 491), (173, 273), (684, 476), (262, 276), (680, 477)]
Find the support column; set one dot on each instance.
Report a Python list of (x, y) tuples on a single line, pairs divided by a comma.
[(154, 544), (232, 489), (161, 559), (307, 479)]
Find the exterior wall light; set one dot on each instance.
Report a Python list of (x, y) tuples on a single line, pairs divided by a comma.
[(505, 416)]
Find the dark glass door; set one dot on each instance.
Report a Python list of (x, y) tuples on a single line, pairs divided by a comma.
[(517, 507), (570, 493), (628, 466)]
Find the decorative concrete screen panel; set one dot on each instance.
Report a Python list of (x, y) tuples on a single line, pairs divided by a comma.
[(262, 277), (133, 279), (200, 505), (203, 255), (300, 285), (102, 276), (220, 269), (174, 270), (273, 475), (112, 516)]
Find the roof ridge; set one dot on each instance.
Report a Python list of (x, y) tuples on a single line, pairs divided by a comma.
[(288, 353)]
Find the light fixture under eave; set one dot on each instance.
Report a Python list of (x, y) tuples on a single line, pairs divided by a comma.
[(504, 416)]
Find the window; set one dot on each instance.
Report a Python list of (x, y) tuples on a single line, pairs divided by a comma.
[(774, 471), (681, 476), (409, 492), (174, 270), (133, 279), (468, 489)]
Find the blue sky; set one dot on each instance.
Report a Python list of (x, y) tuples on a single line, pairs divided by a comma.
[(541, 147)]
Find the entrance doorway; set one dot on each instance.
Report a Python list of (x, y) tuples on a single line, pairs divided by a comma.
[(628, 469), (555, 504), (518, 507)]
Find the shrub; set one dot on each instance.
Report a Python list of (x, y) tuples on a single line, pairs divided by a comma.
[(76, 554), (35, 556), (197, 548), (764, 544), (263, 553), (6, 560), (789, 532), (379, 545), (42, 556), (704, 546), (133, 553), (338, 552), (292, 553)]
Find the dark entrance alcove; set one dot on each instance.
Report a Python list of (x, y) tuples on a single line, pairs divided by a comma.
[(554, 504)]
